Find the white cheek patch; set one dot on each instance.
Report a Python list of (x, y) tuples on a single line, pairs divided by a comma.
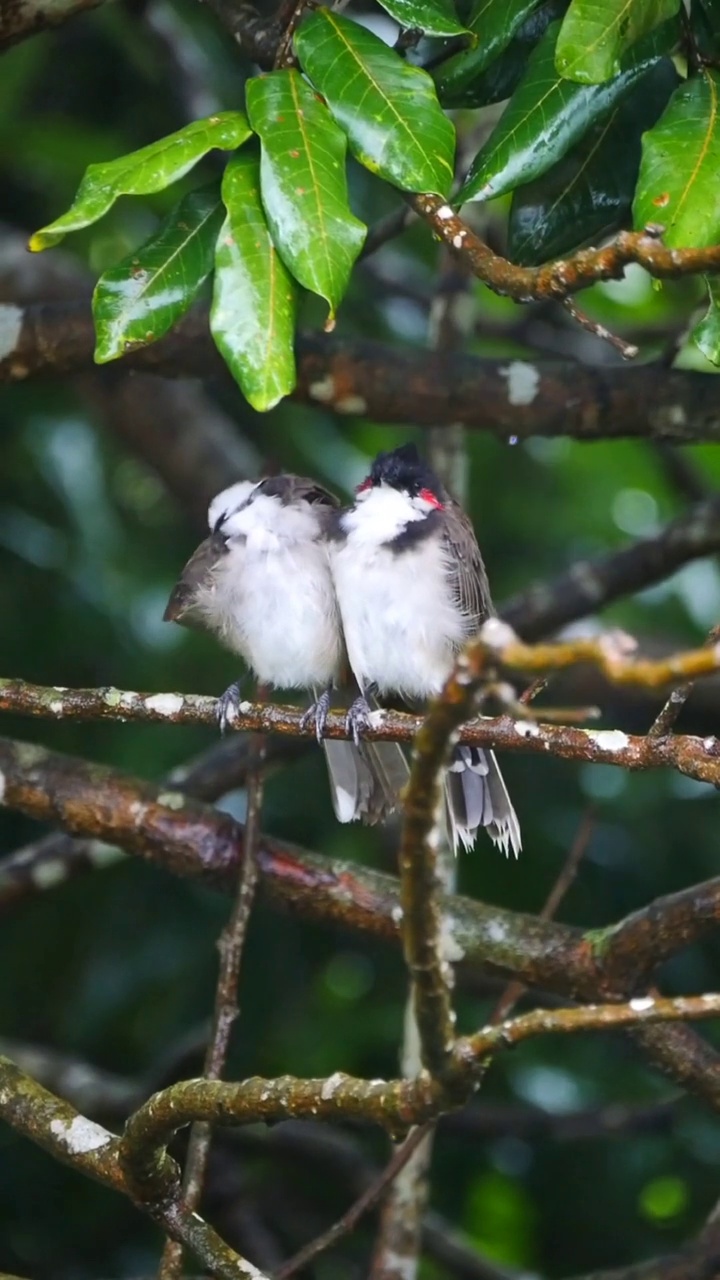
[(230, 500), (380, 514)]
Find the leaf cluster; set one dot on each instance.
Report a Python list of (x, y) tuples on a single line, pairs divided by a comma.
[(612, 120)]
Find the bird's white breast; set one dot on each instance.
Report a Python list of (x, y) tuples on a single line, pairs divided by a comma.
[(402, 627), (273, 600)]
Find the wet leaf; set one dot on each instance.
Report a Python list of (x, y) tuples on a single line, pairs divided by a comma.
[(253, 309), (494, 22), (140, 298), (142, 172), (706, 334), (460, 83), (594, 36), (388, 109), (705, 27), (303, 183), (434, 17), (547, 115), (588, 194), (678, 182)]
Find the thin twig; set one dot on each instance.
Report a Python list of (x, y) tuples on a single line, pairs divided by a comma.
[(289, 18), (364, 1203), (388, 228), (636, 1012), (627, 350), (668, 714), (515, 990), (534, 689), (226, 1008), (396, 1255)]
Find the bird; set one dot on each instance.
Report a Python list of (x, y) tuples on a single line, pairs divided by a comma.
[(412, 589), (260, 582)]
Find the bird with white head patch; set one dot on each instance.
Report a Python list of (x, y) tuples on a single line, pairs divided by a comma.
[(261, 583), (412, 589)]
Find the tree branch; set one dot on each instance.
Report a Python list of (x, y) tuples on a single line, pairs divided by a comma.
[(497, 645), (191, 839), (88, 1148), (20, 19), (369, 1198), (58, 857), (226, 1008), (569, 275), (650, 1009), (392, 1104), (187, 838), (589, 585), (568, 871), (420, 885), (509, 398)]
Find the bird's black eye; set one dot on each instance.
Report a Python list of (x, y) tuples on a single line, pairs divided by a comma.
[(220, 522)]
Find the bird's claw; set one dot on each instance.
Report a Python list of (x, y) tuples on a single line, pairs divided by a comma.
[(228, 706), (358, 719), (317, 714)]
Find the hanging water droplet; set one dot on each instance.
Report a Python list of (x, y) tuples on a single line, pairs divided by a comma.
[(512, 439)]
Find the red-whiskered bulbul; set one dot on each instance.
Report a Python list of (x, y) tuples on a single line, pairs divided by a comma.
[(411, 587), (261, 583)]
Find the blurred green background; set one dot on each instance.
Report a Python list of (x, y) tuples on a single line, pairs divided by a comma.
[(117, 968)]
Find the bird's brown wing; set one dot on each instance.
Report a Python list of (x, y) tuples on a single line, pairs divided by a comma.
[(312, 492), (196, 574), (291, 489), (468, 576)]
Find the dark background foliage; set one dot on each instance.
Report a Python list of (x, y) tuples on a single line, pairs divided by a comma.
[(117, 968)]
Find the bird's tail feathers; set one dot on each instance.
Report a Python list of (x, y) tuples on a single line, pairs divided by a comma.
[(365, 780), (476, 797)]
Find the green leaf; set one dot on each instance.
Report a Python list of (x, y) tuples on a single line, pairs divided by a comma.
[(547, 115), (142, 172), (434, 17), (706, 334), (588, 194), (389, 110), (252, 318), (678, 183), (495, 23), (594, 36), (461, 82), (303, 183), (140, 298), (705, 28)]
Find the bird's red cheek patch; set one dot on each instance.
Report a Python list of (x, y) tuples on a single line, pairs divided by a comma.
[(366, 484), (428, 496)]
